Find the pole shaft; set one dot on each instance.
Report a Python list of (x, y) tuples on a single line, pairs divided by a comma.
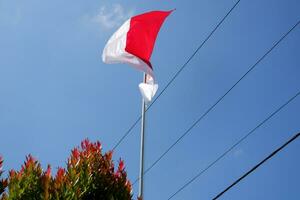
[(141, 175)]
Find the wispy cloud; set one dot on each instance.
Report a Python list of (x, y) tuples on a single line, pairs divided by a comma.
[(111, 17), (10, 15), (238, 153)]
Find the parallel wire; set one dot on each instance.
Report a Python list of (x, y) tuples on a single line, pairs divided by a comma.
[(258, 165), (177, 73), (217, 102), (233, 146)]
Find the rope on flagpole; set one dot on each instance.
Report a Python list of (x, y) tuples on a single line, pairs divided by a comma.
[(176, 74), (218, 101)]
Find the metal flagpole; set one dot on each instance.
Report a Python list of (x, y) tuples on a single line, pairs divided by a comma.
[(141, 175)]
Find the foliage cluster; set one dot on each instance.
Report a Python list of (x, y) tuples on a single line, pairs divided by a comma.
[(89, 175)]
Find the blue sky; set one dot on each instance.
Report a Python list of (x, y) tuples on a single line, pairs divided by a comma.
[(55, 91)]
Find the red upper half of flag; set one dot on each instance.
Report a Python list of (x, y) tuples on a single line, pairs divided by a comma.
[(143, 32), (134, 41)]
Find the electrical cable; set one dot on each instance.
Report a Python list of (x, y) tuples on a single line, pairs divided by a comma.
[(233, 146), (258, 165)]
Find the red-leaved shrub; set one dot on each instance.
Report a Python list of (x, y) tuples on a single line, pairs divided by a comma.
[(89, 175)]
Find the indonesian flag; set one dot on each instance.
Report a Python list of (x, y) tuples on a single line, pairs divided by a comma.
[(133, 44)]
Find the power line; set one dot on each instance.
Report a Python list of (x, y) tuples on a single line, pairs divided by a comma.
[(256, 166), (176, 74), (233, 146), (217, 102)]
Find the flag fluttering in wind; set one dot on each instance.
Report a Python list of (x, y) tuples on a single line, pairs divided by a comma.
[(133, 44)]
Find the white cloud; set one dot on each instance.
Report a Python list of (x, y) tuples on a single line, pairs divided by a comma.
[(111, 17)]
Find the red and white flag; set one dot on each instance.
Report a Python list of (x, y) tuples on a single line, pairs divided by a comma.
[(133, 44)]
